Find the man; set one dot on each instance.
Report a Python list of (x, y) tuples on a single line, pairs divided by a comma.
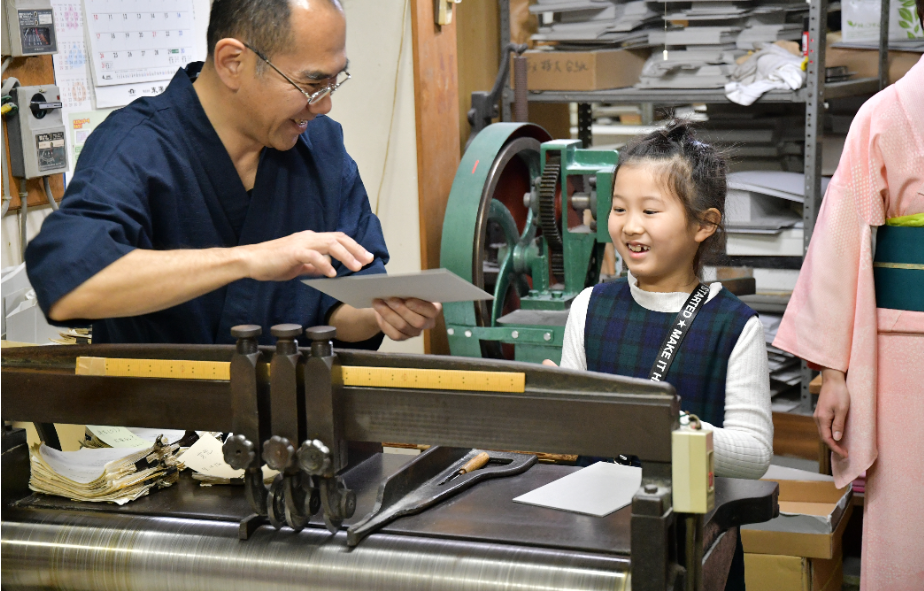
[(197, 210)]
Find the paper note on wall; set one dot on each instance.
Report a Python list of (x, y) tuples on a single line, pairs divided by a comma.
[(79, 126)]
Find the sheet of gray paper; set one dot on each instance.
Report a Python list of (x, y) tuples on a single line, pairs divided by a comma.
[(434, 285), (597, 490)]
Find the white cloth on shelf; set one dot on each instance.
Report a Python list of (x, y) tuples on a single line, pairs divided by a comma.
[(771, 68)]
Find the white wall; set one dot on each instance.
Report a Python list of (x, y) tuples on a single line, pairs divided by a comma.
[(11, 251), (364, 107)]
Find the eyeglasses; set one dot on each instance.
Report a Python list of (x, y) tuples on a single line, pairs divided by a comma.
[(313, 97)]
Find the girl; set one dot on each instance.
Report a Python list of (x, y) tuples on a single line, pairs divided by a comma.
[(668, 203)]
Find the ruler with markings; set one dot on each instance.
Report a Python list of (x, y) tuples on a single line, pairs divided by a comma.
[(370, 377)]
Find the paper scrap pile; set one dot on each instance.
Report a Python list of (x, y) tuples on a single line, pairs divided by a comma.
[(206, 460), (115, 475), (75, 336)]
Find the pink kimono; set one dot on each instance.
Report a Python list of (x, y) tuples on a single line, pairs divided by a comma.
[(832, 320)]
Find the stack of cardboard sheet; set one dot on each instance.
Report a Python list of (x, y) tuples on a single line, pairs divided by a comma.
[(115, 475), (785, 370), (703, 39), (761, 136), (763, 213), (594, 22)]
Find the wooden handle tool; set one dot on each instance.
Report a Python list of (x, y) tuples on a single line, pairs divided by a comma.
[(473, 464)]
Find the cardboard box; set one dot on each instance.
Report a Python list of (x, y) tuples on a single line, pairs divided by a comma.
[(813, 515), (583, 70), (770, 572), (865, 62)]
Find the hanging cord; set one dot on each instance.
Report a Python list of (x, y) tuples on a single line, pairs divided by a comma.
[(48, 195), (6, 186), (394, 106), (23, 214), (6, 64), (664, 54)]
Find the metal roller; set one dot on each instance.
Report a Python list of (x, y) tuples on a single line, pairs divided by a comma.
[(80, 551)]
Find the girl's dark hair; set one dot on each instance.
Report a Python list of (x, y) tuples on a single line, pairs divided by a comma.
[(695, 172)]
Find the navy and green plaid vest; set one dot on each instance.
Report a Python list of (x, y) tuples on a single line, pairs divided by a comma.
[(621, 337)]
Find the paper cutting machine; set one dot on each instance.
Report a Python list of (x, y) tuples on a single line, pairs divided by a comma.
[(295, 409)]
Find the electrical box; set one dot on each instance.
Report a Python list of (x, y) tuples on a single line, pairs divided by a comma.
[(37, 132), (693, 471), (29, 28)]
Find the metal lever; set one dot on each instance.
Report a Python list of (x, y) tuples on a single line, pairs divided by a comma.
[(249, 415), (292, 497), (324, 453)]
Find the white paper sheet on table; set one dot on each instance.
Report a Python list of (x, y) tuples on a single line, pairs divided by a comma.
[(434, 285), (597, 490)]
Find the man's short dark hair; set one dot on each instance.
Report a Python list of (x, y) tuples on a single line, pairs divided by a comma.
[(264, 24)]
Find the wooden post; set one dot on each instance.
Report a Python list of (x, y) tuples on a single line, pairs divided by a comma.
[(437, 117)]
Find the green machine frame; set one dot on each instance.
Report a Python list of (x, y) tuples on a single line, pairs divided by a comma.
[(521, 223)]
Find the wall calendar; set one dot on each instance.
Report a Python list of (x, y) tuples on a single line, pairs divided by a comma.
[(133, 41)]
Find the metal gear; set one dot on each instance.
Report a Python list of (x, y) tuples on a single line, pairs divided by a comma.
[(548, 221)]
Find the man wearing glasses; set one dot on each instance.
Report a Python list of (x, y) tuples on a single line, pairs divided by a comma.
[(196, 210)]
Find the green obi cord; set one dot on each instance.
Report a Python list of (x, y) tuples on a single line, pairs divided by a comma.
[(898, 268)]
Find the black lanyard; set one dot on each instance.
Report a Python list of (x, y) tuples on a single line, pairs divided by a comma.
[(677, 331)]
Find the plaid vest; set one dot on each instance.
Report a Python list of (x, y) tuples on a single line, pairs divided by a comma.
[(623, 338)]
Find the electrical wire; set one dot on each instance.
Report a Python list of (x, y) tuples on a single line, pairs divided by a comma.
[(48, 195), (6, 186), (23, 214), (394, 106)]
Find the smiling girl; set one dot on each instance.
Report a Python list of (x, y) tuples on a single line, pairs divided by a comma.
[(668, 205)]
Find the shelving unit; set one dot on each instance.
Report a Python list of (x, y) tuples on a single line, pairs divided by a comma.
[(813, 95)]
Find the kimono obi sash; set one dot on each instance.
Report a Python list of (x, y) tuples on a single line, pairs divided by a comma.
[(898, 267)]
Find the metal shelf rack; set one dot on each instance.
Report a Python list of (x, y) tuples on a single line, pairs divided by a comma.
[(813, 95)]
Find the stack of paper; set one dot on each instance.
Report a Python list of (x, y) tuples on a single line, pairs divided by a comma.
[(75, 336), (785, 370), (764, 213), (729, 27), (594, 22), (115, 475)]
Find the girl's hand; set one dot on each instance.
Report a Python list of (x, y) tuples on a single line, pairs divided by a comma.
[(549, 363), (831, 412)]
